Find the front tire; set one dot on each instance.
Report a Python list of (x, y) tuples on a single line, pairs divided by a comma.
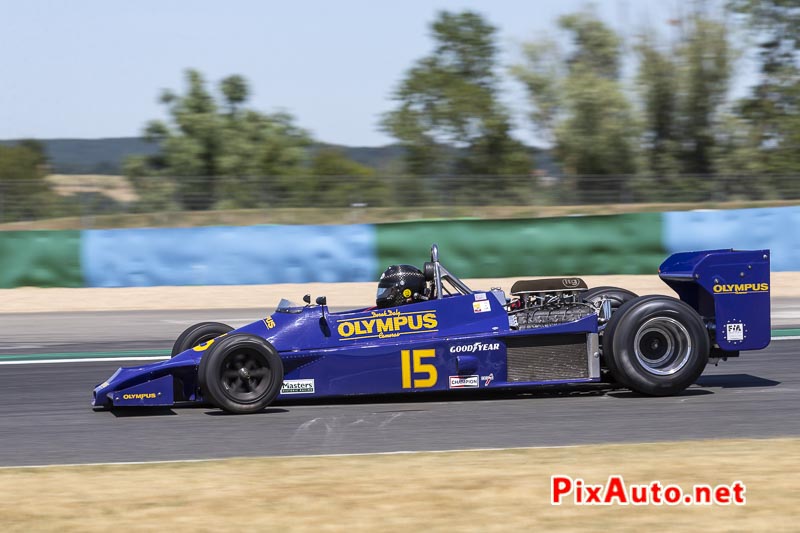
[(656, 345), (241, 374), (198, 334)]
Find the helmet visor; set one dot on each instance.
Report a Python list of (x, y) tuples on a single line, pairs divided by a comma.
[(384, 293)]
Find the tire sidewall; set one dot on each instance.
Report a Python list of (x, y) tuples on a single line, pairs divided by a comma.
[(616, 294), (620, 295), (198, 334), (621, 333), (211, 367)]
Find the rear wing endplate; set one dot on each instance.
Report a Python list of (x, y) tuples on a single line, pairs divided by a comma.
[(730, 290)]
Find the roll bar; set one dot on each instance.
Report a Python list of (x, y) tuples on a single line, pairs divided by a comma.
[(439, 274)]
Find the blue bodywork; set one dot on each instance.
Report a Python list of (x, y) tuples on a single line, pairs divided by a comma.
[(729, 289), (456, 341)]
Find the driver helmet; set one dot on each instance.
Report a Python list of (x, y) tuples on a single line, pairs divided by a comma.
[(399, 284)]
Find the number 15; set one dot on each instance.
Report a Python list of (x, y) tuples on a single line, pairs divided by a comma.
[(418, 367)]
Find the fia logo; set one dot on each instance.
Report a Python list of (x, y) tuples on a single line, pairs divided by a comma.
[(734, 332)]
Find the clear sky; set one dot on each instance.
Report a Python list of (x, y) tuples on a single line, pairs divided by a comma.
[(94, 68)]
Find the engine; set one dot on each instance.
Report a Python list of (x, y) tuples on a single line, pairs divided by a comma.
[(547, 302)]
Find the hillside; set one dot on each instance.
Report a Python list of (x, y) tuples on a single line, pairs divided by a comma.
[(105, 156), (92, 156)]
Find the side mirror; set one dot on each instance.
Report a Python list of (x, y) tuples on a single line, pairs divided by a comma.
[(322, 300), (434, 253), (429, 271), (307, 298)]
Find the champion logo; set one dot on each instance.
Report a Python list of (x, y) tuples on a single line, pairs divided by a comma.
[(464, 382)]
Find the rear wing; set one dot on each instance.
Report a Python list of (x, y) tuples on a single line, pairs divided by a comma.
[(730, 290)]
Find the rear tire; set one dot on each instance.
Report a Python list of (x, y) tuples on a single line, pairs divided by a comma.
[(656, 345), (198, 334), (616, 295), (241, 373)]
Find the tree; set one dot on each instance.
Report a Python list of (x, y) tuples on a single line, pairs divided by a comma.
[(24, 193), (657, 80), (235, 90), (221, 157), (772, 109), (190, 145), (338, 181), (706, 58), (262, 156), (578, 102), (683, 90), (448, 115)]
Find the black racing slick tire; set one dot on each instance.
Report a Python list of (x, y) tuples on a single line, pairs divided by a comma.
[(656, 345), (616, 295), (240, 373), (198, 334)]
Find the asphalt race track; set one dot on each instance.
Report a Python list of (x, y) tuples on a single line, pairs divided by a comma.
[(45, 416)]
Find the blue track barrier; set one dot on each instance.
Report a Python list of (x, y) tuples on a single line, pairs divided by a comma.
[(775, 228), (228, 255)]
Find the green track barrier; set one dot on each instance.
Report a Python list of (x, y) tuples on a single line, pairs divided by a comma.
[(616, 244), (40, 259)]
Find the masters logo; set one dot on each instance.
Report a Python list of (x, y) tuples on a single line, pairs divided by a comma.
[(297, 386), (389, 323), (741, 288)]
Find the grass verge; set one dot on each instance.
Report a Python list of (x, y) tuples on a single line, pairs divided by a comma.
[(506, 490)]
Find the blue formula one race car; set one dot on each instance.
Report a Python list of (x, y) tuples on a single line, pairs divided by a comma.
[(430, 332)]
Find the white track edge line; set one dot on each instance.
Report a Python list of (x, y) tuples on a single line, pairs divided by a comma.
[(82, 360), (306, 456)]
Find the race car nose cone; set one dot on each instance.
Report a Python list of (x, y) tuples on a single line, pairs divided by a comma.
[(244, 373)]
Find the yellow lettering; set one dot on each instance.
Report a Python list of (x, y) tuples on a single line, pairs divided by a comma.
[(425, 368), (345, 329), (139, 396), (359, 330), (416, 366), (740, 288), (385, 325), (405, 368), (204, 346), (429, 321), (391, 324)]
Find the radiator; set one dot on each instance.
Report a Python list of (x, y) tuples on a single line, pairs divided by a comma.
[(549, 357)]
